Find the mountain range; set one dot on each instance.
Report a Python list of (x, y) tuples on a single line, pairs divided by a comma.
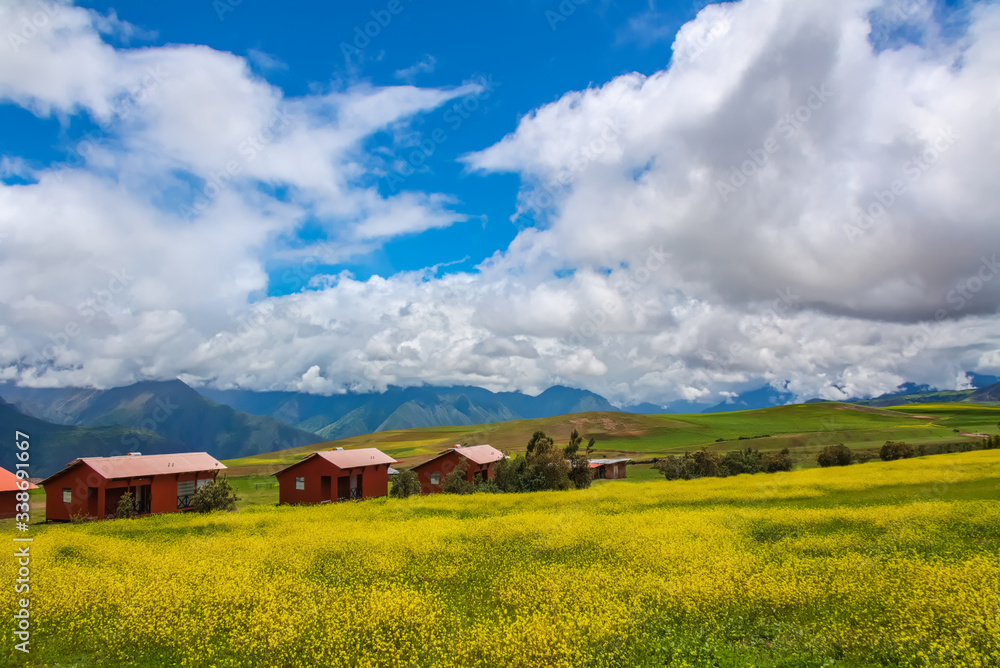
[(169, 416)]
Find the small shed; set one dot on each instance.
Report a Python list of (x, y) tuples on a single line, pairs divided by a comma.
[(93, 486), (609, 469), (480, 460), (335, 475), (10, 485)]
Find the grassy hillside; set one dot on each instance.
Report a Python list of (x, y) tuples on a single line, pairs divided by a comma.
[(881, 564), (803, 428)]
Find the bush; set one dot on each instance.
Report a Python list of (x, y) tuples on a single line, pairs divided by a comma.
[(742, 461), (457, 481), (780, 461), (405, 483), (486, 487), (991, 443), (835, 455), (863, 456), (126, 506), (671, 468), (216, 495), (893, 450)]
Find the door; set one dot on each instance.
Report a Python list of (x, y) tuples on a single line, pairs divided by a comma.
[(324, 488), (343, 488), (92, 502)]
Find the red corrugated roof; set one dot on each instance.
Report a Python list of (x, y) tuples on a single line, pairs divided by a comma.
[(143, 466), (479, 454), (9, 482), (348, 459)]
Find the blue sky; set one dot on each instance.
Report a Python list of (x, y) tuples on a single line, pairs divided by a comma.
[(533, 51), (653, 201)]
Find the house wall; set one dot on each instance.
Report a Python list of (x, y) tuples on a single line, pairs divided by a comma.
[(374, 481), (7, 503), (163, 492), (446, 464)]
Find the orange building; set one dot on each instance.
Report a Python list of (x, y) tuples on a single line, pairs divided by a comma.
[(93, 486), (335, 475), (479, 460), (10, 485)]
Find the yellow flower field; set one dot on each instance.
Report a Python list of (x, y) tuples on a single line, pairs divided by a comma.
[(881, 564)]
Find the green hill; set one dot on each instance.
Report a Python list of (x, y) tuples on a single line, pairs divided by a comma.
[(803, 428)]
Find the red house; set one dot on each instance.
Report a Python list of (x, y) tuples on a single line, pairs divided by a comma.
[(9, 487), (335, 475), (479, 460), (92, 486), (609, 469)]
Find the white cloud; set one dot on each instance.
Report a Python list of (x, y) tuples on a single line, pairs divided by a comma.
[(423, 66), (643, 282)]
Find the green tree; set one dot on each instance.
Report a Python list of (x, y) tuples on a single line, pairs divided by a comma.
[(777, 461), (736, 462), (547, 467), (457, 481), (509, 473), (579, 462), (893, 450), (216, 495), (405, 483), (835, 455), (126, 506)]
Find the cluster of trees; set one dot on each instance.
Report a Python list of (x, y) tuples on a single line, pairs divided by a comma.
[(841, 455), (706, 463), (545, 466)]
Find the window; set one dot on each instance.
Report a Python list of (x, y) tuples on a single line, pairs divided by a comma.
[(67, 495), (185, 493), (300, 483), (203, 482), (435, 478)]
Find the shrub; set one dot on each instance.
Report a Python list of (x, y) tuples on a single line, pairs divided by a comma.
[(126, 506), (777, 461), (893, 450), (671, 468), (405, 483), (703, 463), (835, 455), (457, 481), (486, 487), (991, 443), (509, 473), (742, 461), (216, 495)]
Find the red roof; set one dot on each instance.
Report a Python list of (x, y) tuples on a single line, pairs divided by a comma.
[(349, 459), (478, 454), (143, 466), (9, 482)]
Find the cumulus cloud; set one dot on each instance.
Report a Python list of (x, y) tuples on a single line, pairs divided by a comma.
[(789, 200)]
